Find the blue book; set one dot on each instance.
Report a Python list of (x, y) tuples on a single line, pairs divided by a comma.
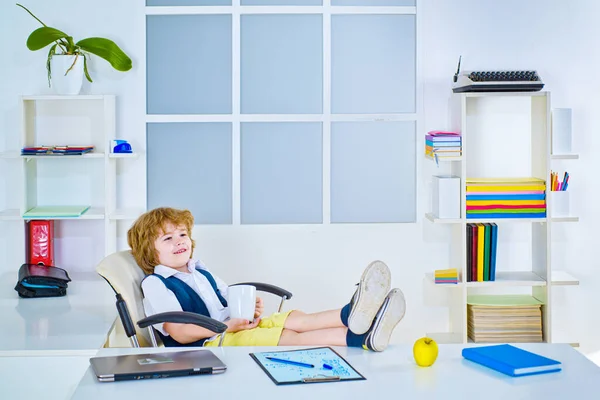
[(511, 360)]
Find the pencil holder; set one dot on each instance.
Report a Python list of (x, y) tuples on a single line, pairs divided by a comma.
[(560, 204)]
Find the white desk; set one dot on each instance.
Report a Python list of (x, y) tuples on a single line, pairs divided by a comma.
[(77, 323), (41, 377), (390, 374)]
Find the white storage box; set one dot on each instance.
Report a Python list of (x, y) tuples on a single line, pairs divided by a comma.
[(446, 196)]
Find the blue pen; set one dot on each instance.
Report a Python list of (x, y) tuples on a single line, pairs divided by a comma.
[(300, 364)]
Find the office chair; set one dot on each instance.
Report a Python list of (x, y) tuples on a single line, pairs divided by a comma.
[(125, 277)]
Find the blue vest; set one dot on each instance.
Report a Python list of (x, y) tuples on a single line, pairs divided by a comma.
[(189, 301)]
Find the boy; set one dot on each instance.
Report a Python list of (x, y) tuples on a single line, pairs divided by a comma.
[(161, 245)]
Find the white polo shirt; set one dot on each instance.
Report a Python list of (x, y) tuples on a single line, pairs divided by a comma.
[(158, 298)]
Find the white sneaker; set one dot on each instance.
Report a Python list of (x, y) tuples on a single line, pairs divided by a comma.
[(390, 314), (374, 285)]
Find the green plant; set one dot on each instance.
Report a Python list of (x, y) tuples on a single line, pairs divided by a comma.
[(104, 48)]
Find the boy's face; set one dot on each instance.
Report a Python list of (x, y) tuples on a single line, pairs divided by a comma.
[(173, 246)]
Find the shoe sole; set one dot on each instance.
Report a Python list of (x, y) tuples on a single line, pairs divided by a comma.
[(374, 286), (392, 314)]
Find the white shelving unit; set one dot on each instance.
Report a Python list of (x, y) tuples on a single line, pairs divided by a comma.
[(503, 135), (89, 179)]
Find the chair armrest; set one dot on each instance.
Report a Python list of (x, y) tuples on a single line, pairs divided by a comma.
[(184, 317), (265, 287)]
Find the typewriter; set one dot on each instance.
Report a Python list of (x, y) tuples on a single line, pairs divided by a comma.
[(496, 81)]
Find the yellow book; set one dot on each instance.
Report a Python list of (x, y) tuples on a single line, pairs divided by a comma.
[(449, 270), (446, 275), (504, 180), (513, 188)]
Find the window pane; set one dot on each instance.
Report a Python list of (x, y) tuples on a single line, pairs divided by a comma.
[(282, 2), (373, 2), (281, 64), (189, 166), (373, 172), (188, 2), (373, 64), (281, 173), (189, 64)]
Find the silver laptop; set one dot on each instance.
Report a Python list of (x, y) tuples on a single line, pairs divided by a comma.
[(156, 365)]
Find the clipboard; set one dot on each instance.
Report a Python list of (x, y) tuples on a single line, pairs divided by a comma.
[(287, 374)]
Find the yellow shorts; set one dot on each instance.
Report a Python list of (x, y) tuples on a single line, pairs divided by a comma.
[(267, 333)]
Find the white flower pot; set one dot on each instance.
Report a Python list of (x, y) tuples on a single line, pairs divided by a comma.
[(66, 83)]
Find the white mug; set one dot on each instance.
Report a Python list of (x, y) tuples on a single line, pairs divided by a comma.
[(241, 300)]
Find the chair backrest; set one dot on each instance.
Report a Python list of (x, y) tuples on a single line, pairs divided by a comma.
[(125, 276)]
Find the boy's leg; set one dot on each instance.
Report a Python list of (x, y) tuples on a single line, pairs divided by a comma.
[(299, 321), (321, 337), (358, 315)]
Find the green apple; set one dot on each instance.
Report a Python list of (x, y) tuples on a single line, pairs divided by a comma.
[(425, 351)]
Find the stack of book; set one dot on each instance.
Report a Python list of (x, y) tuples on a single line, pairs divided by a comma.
[(56, 150), (446, 276), (504, 318), (482, 240), (443, 145), (506, 198)]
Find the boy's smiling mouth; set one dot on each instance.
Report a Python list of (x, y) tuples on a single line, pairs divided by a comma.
[(180, 251)]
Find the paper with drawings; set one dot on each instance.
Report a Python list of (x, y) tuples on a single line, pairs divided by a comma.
[(286, 373)]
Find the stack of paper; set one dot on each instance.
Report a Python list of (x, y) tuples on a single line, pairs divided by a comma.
[(440, 144), (446, 275), (55, 212), (506, 198), (504, 318)]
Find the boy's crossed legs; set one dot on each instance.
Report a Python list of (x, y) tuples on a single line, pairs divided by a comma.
[(367, 321)]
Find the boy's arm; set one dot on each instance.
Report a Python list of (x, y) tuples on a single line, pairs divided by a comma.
[(188, 333)]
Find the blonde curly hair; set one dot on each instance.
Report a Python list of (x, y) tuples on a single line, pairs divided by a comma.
[(144, 231)]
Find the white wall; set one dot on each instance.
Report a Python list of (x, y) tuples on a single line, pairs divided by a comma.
[(320, 264)]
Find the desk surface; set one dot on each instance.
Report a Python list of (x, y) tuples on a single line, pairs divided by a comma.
[(77, 323), (390, 372), (41, 377)]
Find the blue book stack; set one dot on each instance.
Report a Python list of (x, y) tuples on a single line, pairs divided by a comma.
[(511, 360)]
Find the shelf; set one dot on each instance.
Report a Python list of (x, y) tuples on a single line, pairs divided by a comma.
[(511, 278), (505, 94), (10, 215), (565, 219), (445, 337), (500, 220), (64, 157), (125, 214), (58, 97), (565, 156), (444, 159), (92, 213), (436, 220), (503, 278), (563, 278), (123, 155)]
